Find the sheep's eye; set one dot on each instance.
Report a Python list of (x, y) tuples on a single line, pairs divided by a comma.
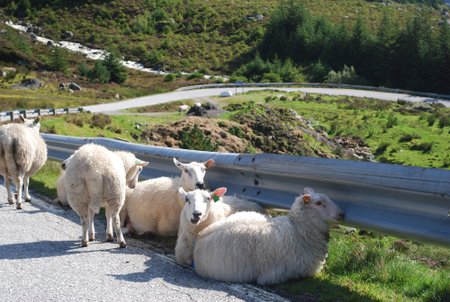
[(187, 171), (318, 203), (186, 199), (208, 199)]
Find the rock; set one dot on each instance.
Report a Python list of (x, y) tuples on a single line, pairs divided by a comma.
[(50, 43), (62, 86), (3, 31), (67, 35), (117, 96), (33, 37), (31, 83), (74, 86)]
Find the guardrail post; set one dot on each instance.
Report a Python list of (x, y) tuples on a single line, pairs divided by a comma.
[(80, 109), (52, 111), (23, 112), (11, 115), (66, 110), (38, 111)]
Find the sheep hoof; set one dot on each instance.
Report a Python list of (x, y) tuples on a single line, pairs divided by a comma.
[(109, 238), (91, 238), (19, 206), (123, 245), (10, 202), (27, 199), (84, 243)]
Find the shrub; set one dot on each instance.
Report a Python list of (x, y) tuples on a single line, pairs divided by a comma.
[(346, 76), (424, 147), (195, 139), (195, 75), (170, 77), (407, 138), (100, 120), (381, 148), (99, 73), (392, 121)]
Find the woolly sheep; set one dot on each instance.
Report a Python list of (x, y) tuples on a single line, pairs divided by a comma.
[(248, 247), (153, 206), (202, 209), (22, 153), (95, 176), (183, 108)]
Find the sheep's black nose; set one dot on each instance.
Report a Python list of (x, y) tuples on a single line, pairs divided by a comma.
[(200, 185), (63, 165), (197, 214)]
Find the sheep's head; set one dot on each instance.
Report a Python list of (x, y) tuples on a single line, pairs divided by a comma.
[(198, 203), (134, 171), (31, 123), (193, 174), (326, 208)]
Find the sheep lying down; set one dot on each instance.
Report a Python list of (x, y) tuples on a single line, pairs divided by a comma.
[(250, 247)]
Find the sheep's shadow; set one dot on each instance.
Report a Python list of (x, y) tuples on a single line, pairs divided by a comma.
[(166, 269), (40, 249)]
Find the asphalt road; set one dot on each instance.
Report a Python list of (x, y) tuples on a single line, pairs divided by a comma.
[(197, 93), (41, 260)]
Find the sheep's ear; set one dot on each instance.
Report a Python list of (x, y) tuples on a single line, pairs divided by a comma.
[(37, 120), (306, 198), (209, 163), (178, 164), (181, 193), (218, 193), (21, 118), (141, 162), (308, 190)]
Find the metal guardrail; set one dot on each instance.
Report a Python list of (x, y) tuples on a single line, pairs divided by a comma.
[(409, 202), (10, 115)]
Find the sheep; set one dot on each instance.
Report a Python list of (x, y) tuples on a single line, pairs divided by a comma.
[(183, 108), (22, 153), (61, 189), (153, 206), (95, 176), (202, 209), (248, 247)]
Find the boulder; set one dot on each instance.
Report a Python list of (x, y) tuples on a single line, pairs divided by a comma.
[(74, 86)]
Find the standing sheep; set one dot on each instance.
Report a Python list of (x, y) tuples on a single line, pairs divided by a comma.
[(22, 153), (248, 247), (202, 209), (154, 207), (95, 176)]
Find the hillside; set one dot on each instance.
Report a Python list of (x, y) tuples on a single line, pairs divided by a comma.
[(185, 35)]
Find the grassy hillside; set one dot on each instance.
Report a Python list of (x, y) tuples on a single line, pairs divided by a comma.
[(186, 35)]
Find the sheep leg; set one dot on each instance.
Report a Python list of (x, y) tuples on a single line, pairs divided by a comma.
[(91, 216), (8, 189), (117, 229), (184, 249), (84, 230), (18, 182), (26, 182), (109, 226)]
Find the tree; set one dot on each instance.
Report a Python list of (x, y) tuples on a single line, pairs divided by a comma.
[(99, 73), (117, 71), (58, 60)]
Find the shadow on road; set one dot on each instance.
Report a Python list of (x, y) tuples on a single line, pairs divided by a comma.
[(39, 249)]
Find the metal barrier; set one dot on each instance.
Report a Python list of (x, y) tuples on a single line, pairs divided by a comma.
[(10, 115), (409, 202)]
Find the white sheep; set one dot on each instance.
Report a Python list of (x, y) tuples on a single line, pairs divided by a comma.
[(201, 209), (95, 177), (61, 189), (22, 153), (183, 108), (153, 206), (248, 247)]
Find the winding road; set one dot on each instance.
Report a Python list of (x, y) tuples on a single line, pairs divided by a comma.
[(207, 92)]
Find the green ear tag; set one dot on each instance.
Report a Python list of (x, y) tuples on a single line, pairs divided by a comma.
[(215, 198)]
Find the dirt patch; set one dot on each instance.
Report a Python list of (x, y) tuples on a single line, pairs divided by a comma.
[(256, 128)]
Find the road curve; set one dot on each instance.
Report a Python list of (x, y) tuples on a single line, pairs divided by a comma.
[(190, 94), (41, 260)]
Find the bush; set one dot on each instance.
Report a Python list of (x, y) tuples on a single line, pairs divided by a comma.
[(424, 147), (407, 138), (170, 77), (195, 75), (99, 73), (346, 76), (195, 139), (100, 120), (381, 148)]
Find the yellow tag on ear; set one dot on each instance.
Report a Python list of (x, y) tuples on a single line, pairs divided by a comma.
[(306, 198)]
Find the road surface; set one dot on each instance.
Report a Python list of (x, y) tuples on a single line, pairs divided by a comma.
[(197, 93), (41, 260)]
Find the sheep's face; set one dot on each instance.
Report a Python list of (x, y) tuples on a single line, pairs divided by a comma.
[(133, 173), (193, 174), (326, 208), (198, 203)]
